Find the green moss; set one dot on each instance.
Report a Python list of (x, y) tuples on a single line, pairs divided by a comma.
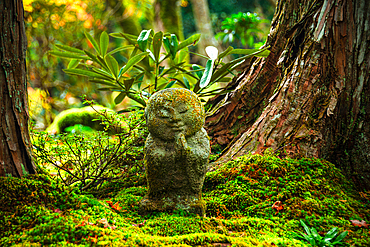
[(86, 116), (39, 211)]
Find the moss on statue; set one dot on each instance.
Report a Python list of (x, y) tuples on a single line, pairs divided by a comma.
[(176, 152), (86, 116)]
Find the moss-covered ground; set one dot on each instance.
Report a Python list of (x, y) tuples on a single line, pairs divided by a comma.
[(241, 201)]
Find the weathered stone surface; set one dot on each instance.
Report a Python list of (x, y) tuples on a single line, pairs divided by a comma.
[(176, 152)]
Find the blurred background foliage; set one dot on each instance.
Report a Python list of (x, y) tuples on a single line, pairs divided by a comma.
[(50, 22)]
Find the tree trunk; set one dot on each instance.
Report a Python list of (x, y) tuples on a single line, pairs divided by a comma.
[(310, 96), (204, 26), (15, 145), (167, 17)]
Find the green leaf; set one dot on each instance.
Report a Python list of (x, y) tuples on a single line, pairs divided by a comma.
[(196, 88), (171, 45), (182, 56), (263, 53), (67, 55), (217, 91), (231, 65), (331, 234), (300, 236), (129, 37), (142, 40), (225, 52), (112, 89), (123, 36), (102, 62), (164, 57), (137, 98), (197, 70), (151, 55), (174, 45), (70, 49), (305, 227), (104, 42), (104, 82), (120, 97), (179, 82), (93, 42), (219, 73), (340, 237), (132, 61), (315, 235), (223, 71), (83, 72), (73, 63), (206, 78), (169, 71), (170, 83), (192, 40), (128, 83), (199, 55), (119, 49), (157, 43), (93, 58), (103, 73), (225, 79), (112, 64), (139, 68), (167, 45), (186, 82), (130, 109), (139, 77), (160, 70), (133, 53)]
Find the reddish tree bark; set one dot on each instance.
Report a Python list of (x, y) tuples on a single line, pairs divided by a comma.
[(310, 96), (15, 145)]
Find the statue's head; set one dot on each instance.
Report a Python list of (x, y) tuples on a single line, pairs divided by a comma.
[(173, 111)]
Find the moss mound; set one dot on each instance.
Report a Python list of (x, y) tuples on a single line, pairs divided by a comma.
[(86, 116), (241, 209)]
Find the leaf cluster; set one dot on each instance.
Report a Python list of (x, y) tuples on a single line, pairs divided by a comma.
[(312, 237), (147, 68), (90, 161), (240, 27)]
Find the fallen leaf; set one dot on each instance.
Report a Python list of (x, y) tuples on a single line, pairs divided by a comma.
[(105, 223), (360, 223), (140, 224), (115, 206), (278, 205), (93, 239)]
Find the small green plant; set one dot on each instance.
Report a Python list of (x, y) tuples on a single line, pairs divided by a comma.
[(241, 28), (146, 70), (313, 238), (89, 161)]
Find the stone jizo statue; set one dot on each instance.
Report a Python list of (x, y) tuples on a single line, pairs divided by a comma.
[(176, 152)]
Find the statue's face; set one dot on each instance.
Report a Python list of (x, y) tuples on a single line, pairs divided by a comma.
[(173, 111)]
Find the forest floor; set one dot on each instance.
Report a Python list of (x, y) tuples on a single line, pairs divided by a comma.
[(253, 201)]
